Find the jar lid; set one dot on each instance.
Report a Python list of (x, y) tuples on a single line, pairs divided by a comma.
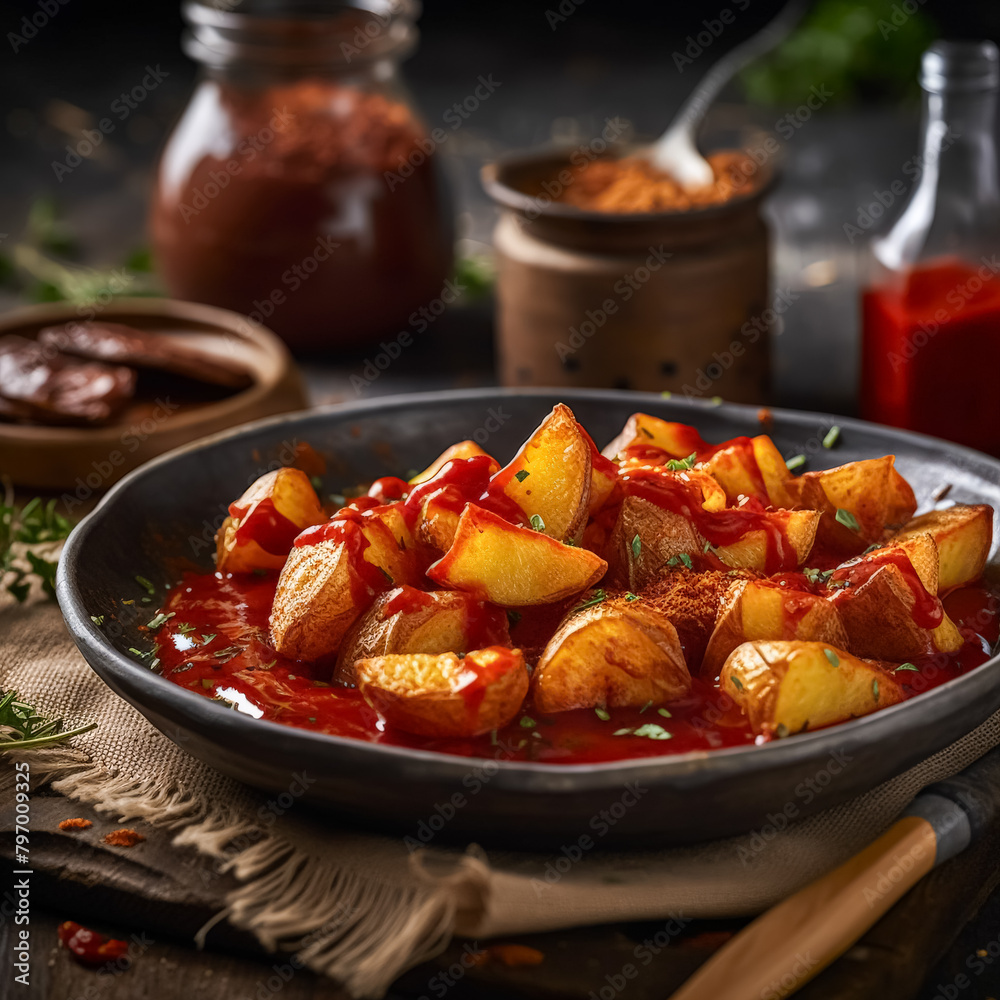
[(960, 66)]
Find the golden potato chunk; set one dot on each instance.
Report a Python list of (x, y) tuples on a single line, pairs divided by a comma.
[(773, 471), (643, 432), (614, 653), (759, 609), (867, 495), (407, 620), (662, 535), (549, 478), (510, 565), (788, 687), (789, 542), (263, 523), (324, 587), (445, 696), (963, 535)]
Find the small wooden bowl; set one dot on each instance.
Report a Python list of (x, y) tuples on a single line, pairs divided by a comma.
[(87, 460)]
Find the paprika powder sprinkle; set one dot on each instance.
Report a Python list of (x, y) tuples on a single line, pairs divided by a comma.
[(633, 184), (75, 824), (88, 947), (123, 838)]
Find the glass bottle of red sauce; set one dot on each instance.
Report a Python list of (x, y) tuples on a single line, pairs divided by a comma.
[(299, 186), (931, 315)]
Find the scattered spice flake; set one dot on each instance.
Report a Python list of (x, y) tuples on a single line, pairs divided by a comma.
[(765, 418), (521, 475), (795, 462), (847, 519), (123, 838), (88, 947), (831, 437), (832, 657), (513, 617), (511, 955), (75, 824)]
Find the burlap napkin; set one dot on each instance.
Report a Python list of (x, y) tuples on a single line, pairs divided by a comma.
[(362, 908)]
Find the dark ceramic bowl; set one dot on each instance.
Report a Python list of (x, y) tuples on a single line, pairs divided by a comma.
[(168, 510)]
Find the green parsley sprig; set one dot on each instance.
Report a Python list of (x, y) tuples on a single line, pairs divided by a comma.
[(28, 540), (23, 727)]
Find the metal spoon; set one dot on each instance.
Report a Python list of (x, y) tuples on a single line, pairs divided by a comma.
[(675, 152)]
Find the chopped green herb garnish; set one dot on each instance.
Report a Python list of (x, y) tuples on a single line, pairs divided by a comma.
[(872, 548), (666, 394), (229, 652), (682, 464), (146, 585), (847, 519), (629, 596), (35, 524), (646, 431), (159, 620), (598, 596), (653, 732), (782, 731), (875, 690), (521, 475), (23, 727), (737, 683), (312, 718), (832, 436), (537, 523), (905, 666), (682, 559), (706, 547), (97, 619), (571, 543), (817, 575), (267, 666), (602, 714), (527, 722), (493, 738), (207, 683), (260, 571), (636, 546), (317, 483), (182, 669), (142, 654), (622, 732), (716, 401), (832, 657), (513, 617), (647, 705), (185, 627), (206, 639), (664, 712), (387, 575), (795, 462)]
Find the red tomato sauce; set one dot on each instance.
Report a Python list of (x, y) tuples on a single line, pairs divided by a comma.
[(216, 645), (931, 351)]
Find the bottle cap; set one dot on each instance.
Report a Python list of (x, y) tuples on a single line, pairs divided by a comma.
[(960, 66)]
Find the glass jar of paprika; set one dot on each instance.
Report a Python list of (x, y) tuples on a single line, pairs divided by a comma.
[(299, 186), (931, 312)]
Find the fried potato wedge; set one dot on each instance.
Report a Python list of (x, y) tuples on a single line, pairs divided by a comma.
[(887, 609), (736, 470), (644, 539), (613, 654), (439, 514), (263, 523), (761, 610), (798, 527), (773, 471), (963, 535), (464, 449), (509, 565), (550, 476), (787, 687), (645, 433), (444, 695), (407, 620), (326, 586), (870, 491)]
